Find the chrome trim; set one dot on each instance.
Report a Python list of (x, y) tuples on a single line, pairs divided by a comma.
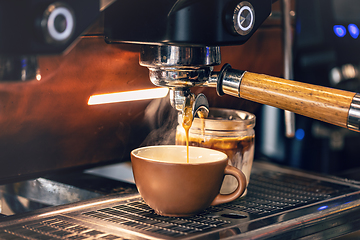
[(178, 98), (354, 114), (228, 81), (289, 124), (179, 67), (48, 192), (288, 63), (179, 57), (179, 77), (232, 81)]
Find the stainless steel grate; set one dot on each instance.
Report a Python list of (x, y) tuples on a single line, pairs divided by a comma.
[(276, 199), (53, 228), (271, 192), (268, 193), (140, 216)]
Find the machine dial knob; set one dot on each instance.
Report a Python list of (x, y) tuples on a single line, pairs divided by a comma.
[(243, 18), (58, 23)]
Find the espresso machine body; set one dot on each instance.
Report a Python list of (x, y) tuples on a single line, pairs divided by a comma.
[(50, 45), (49, 69), (181, 23)]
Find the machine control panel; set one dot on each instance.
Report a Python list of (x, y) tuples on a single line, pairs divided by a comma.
[(185, 22), (58, 23), (243, 18), (35, 27)]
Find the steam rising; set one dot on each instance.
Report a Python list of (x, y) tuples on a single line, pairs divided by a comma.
[(162, 119)]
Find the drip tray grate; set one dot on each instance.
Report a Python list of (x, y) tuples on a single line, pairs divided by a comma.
[(53, 228), (139, 215), (273, 198), (268, 193)]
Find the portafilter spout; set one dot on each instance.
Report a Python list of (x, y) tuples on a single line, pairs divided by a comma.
[(183, 99)]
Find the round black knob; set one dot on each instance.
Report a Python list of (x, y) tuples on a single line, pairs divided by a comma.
[(243, 18), (58, 23)]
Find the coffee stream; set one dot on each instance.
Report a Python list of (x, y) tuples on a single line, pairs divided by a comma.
[(188, 120)]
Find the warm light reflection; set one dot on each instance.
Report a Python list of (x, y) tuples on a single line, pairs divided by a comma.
[(128, 96)]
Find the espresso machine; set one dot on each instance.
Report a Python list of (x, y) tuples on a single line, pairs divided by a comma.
[(181, 61), (63, 52)]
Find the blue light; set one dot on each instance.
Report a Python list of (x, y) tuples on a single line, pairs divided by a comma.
[(339, 30), (298, 27), (207, 52), (23, 63), (300, 134), (322, 208), (353, 30)]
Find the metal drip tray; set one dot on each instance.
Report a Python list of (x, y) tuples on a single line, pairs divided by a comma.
[(279, 203)]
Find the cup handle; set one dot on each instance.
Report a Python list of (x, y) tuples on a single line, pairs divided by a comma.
[(240, 177)]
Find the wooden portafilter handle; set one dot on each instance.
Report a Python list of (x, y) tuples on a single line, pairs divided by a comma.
[(338, 107)]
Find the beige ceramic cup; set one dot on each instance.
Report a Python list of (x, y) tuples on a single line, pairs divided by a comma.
[(173, 187)]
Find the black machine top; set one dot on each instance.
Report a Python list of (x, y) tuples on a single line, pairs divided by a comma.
[(185, 22), (32, 27)]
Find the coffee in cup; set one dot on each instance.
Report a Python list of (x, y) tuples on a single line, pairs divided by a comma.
[(173, 187)]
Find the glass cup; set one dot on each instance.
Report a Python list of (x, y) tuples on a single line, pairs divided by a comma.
[(226, 130)]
